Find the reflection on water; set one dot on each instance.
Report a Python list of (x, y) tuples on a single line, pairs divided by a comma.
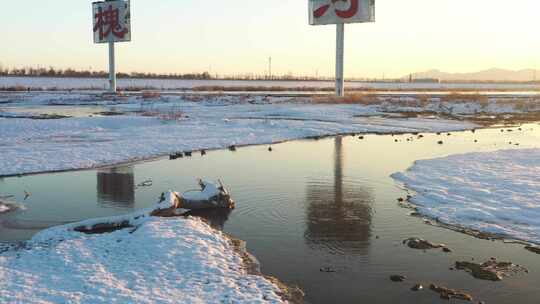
[(20, 224), (214, 217), (116, 187), (339, 215), (301, 212)]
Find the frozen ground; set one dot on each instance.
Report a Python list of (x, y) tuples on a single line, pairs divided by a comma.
[(168, 84), (156, 260), (496, 192), (175, 123)]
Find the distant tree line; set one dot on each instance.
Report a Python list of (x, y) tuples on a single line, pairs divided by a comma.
[(53, 72), (69, 72)]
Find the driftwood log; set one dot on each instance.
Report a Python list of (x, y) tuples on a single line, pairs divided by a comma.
[(210, 196)]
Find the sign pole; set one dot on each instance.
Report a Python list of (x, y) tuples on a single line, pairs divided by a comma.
[(112, 69), (340, 12), (340, 50), (112, 23)]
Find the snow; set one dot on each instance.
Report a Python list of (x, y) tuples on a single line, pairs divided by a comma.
[(495, 192), (157, 260), (167, 84), (4, 208), (6, 205), (173, 123), (210, 190), (509, 104)]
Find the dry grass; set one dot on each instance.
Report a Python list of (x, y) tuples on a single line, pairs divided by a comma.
[(166, 116), (423, 99), (194, 98), (174, 113), (143, 88), (523, 105), (151, 94), (259, 89), (355, 98), (466, 97), (18, 88), (462, 92)]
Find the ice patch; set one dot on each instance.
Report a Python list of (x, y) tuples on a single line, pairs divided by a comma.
[(496, 192)]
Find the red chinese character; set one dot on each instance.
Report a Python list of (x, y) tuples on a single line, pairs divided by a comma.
[(348, 13), (108, 21)]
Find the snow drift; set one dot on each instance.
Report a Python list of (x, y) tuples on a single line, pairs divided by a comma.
[(495, 192), (151, 260)]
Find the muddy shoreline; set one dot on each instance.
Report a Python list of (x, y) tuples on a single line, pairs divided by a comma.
[(292, 294), (406, 203)]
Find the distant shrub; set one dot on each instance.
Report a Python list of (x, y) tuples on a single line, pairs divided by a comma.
[(17, 88), (151, 94), (259, 89), (355, 98), (465, 97)]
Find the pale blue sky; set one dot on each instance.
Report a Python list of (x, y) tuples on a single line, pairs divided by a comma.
[(237, 36)]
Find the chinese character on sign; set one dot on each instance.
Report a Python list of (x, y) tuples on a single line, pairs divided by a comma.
[(348, 13), (108, 22), (111, 21), (341, 11)]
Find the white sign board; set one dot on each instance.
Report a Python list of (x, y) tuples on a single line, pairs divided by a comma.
[(112, 21), (341, 11)]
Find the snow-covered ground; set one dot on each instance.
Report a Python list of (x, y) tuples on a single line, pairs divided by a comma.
[(4, 208), (167, 84), (496, 192), (31, 146), (156, 260), (6, 205)]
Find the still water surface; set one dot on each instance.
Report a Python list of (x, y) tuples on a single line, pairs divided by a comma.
[(308, 205)]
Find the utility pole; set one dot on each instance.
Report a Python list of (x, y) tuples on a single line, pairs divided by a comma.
[(270, 68)]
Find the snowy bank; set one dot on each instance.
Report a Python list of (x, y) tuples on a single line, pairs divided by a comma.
[(151, 260), (496, 192), (4, 208), (173, 124)]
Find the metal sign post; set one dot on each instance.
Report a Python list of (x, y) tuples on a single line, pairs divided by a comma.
[(112, 69), (112, 23), (340, 54), (340, 12)]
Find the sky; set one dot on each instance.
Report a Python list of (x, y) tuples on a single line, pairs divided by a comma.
[(238, 36)]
